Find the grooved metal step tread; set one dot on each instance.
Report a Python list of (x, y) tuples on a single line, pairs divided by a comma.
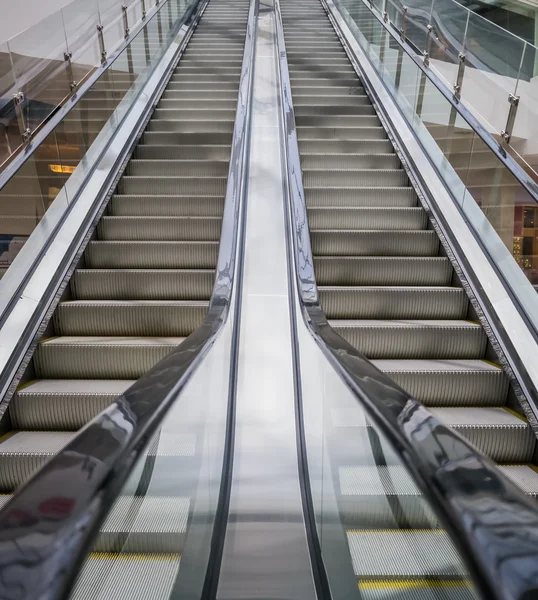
[(349, 160), (421, 339), (342, 217), (357, 178), (178, 167), (196, 185), (382, 270), (105, 357), (340, 242), (138, 576), (449, 383), (382, 497), (144, 524), (62, 404), (368, 197), (142, 284), (155, 228), (419, 554), (141, 255), (161, 206), (129, 318), (495, 431), (393, 302)]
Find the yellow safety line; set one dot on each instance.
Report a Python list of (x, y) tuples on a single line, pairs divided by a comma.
[(396, 531), (25, 385), (513, 412), (4, 437), (398, 584), (133, 555)]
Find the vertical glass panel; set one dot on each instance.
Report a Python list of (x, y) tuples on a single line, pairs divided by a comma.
[(81, 18), (26, 197), (42, 72), (134, 12), (524, 138), (379, 536), (418, 18), (10, 136), (111, 18), (449, 21)]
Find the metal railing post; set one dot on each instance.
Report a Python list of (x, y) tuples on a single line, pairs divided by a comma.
[(18, 99), (506, 134), (101, 39), (72, 82), (403, 30), (459, 77), (126, 29), (143, 2)]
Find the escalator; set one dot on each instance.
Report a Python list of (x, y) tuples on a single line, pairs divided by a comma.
[(142, 285), (387, 286)]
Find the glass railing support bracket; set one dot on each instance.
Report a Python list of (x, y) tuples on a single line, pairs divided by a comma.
[(101, 39), (25, 131), (506, 133), (72, 82), (459, 77), (143, 2), (126, 29), (403, 30)]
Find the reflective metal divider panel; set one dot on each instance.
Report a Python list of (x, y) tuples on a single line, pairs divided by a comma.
[(265, 552)]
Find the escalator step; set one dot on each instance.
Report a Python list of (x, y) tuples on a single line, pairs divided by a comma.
[(368, 197), (414, 339), (151, 255), (383, 219), (454, 383), (382, 270), (142, 284), (129, 318), (82, 357), (62, 405), (161, 206), (379, 302), (146, 228)]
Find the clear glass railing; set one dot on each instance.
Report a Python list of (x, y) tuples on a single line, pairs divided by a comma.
[(41, 67), (377, 531), (495, 203), (493, 72), (53, 174)]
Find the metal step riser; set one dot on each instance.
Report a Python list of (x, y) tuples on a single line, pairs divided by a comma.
[(394, 303), (151, 255), (303, 100), (177, 168), (139, 543), (382, 271), (65, 412), (305, 111), (328, 147), (368, 218), (182, 105), (163, 285), (190, 87), (350, 161), (340, 133), (162, 206), (374, 243), (191, 126), (128, 320), (464, 388), (357, 179), (193, 95), (154, 153), (97, 362), (162, 138), (193, 114), (418, 342), (197, 186), (375, 512), (160, 228), (336, 121)]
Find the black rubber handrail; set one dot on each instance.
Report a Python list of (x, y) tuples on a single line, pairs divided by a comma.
[(40, 555), (490, 520)]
